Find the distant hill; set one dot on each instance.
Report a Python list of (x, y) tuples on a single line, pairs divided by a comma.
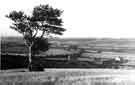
[(103, 44)]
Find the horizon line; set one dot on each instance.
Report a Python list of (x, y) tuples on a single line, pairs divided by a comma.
[(79, 37)]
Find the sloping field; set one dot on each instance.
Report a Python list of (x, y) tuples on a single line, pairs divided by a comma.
[(16, 44), (111, 55), (70, 77)]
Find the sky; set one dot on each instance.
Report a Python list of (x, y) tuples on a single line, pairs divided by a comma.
[(82, 18)]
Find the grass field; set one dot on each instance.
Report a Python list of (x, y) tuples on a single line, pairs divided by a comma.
[(110, 48), (16, 44), (70, 77)]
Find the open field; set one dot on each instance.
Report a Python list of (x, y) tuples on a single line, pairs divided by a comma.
[(16, 44), (70, 77), (109, 49)]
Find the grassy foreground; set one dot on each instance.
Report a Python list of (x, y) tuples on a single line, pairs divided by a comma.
[(70, 77)]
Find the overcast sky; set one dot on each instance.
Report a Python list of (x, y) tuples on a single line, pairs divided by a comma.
[(82, 18)]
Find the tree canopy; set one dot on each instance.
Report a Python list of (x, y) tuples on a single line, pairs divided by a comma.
[(43, 19)]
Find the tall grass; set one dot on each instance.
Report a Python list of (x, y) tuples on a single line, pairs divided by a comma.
[(70, 77)]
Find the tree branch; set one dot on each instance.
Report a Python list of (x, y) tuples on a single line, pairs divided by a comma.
[(42, 34), (35, 33)]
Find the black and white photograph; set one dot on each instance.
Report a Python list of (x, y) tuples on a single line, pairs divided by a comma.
[(67, 42)]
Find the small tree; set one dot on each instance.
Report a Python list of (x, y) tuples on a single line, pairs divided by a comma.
[(37, 27)]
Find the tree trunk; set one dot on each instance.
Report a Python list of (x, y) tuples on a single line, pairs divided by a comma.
[(32, 65), (30, 59)]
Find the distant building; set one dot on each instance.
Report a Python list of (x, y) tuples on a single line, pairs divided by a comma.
[(117, 59)]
